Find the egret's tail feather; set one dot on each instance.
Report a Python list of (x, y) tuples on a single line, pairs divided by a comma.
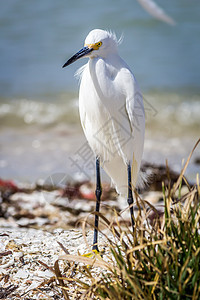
[(142, 180)]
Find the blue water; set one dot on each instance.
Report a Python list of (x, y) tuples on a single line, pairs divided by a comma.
[(38, 36), (38, 99)]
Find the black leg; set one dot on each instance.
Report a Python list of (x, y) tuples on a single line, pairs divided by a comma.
[(130, 196), (98, 199)]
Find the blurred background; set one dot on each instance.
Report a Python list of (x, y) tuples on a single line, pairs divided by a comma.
[(40, 129)]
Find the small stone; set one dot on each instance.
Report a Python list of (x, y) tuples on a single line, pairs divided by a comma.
[(44, 274), (22, 274), (18, 255)]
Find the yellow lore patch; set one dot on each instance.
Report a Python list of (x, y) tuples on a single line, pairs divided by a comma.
[(94, 46)]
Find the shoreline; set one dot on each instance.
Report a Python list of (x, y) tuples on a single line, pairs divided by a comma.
[(34, 155)]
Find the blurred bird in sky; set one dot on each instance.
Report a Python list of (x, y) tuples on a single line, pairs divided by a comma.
[(156, 11)]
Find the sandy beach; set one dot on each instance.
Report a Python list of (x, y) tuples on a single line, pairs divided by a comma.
[(40, 223)]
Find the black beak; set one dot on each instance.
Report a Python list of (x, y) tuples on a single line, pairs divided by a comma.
[(84, 51)]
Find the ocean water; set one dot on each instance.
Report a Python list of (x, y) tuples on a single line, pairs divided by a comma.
[(40, 128)]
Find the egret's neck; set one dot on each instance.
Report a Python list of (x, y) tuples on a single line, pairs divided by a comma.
[(111, 58), (102, 72)]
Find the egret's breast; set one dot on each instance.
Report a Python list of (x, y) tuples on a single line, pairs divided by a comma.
[(96, 119), (90, 99)]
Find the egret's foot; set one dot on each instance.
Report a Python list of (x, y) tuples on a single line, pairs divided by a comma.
[(94, 253), (95, 249)]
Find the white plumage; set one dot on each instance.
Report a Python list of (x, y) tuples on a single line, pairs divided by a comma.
[(111, 108)]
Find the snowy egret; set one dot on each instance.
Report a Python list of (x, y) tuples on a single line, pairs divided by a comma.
[(112, 115)]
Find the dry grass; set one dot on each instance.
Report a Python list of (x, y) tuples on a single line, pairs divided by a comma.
[(159, 260)]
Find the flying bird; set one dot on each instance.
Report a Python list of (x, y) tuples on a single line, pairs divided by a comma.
[(112, 115), (156, 11)]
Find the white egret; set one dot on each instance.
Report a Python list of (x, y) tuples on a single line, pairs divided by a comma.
[(112, 115)]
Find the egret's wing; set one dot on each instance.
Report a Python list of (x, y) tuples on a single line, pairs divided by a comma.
[(156, 11), (134, 104), (127, 115), (128, 133), (136, 115), (135, 112)]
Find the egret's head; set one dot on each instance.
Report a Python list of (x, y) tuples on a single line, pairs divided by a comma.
[(98, 43), (102, 42)]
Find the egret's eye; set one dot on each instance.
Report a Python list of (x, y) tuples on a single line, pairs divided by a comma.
[(99, 44)]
